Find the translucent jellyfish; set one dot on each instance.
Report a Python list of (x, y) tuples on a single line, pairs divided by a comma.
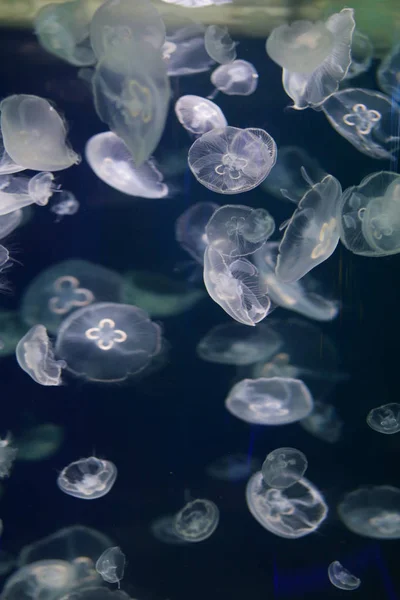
[(235, 285), (385, 418), (372, 511), (312, 233), (199, 115), (283, 467), (87, 478), (184, 51), (219, 44), (291, 513), (18, 192), (362, 52), (341, 577), (8, 453), (111, 565), (388, 73), (237, 78), (197, 520), (233, 467), (63, 30), (35, 356), (164, 531), (324, 423), (39, 442), (66, 286), (11, 331), (269, 401), (111, 160), (237, 230), (231, 160), (66, 204), (365, 118), (190, 229), (108, 342), (34, 134)]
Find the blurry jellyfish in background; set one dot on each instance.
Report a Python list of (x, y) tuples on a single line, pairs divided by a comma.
[(197, 520), (11, 331), (190, 229), (34, 134), (7, 165), (8, 453), (39, 442), (199, 115), (87, 478), (230, 160), (219, 44), (18, 192), (323, 423), (273, 401), (312, 233), (66, 204), (164, 531), (112, 162), (385, 419), (233, 467), (237, 78), (108, 342), (291, 513), (184, 50), (35, 356), (365, 118), (388, 73), (362, 52), (111, 565), (341, 577), (372, 511), (283, 467)]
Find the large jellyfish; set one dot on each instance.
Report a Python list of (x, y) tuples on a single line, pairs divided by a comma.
[(237, 78), (385, 419), (35, 356), (197, 520), (199, 115), (88, 478), (219, 44), (283, 467), (372, 511), (190, 229)]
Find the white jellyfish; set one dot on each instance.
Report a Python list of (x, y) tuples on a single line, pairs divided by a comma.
[(111, 565), (190, 229), (283, 467), (323, 422), (8, 453), (388, 74), (87, 478), (18, 192), (385, 418), (237, 78), (372, 511), (341, 577), (35, 356), (362, 52), (199, 115), (66, 204), (233, 467), (184, 50), (219, 44), (197, 520)]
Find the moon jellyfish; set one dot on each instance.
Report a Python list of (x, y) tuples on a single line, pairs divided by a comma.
[(312, 233), (197, 520), (362, 52), (87, 478), (291, 513), (366, 119), (388, 73), (66, 204), (233, 467), (34, 134), (164, 531), (230, 160), (108, 342), (323, 422), (341, 577), (385, 419), (199, 115), (18, 192), (190, 229), (273, 401), (111, 565), (8, 453), (237, 78), (372, 511), (39, 442), (283, 467), (184, 50), (219, 44), (35, 356)]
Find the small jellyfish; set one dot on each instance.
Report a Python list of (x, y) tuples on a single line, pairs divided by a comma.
[(219, 44), (341, 577), (199, 115), (66, 204), (385, 418), (35, 356), (190, 229), (34, 134), (362, 52), (372, 511), (323, 422), (233, 467), (237, 78), (197, 520), (283, 467), (184, 50), (111, 565), (87, 478), (230, 160), (388, 73), (8, 453), (19, 192)]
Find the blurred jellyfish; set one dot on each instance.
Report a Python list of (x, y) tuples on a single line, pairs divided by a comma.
[(197, 520), (388, 74), (184, 50), (112, 162), (108, 342), (237, 78), (199, 115), (111, 565), (283, 467), (341, 577), (34, 134), (18, 192), (87, 478), (385, 418), (8, 453), (219, 44), (163, 530), (323, 423), (233, 467), (273, 401), (35, 356), (291, 513), (11, 331), (372, 511), (190, 229), (66, 204), (365, 118), (230, 160), (39, 442), (362, 52)]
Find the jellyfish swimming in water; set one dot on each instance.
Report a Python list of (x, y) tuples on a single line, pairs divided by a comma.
[(199, 115), (197, 520), (111, 565), (219, 44), (283, 467), (237, 78), (35, 356), (385, 418), (88, 478), (341, 577)]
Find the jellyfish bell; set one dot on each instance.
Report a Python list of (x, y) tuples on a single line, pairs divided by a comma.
[(283, 467), (35, 356), (184, 50), (199, 115), (190, 229), (87, 478), (219, 44), (66, 204), (372, 511), (237, 78), (385, 419), (111, 565), (341, 577), (197, 520)]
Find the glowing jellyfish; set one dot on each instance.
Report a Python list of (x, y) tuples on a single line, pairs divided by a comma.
[(199, 115), (34, 134), (111, 565), (66, 204), (312, 233), (108, 342), (365, 118), (184, 51), (8, 453), (341, 577), (362, 52), (385, 418), (35, 356), (231, 160), (48, 579), (237, 78), (324, 423), (283, 467), (87, 478), (164, 531), (190, 229), (388, 74), (197, 520), (269, 401), (39, 442), (233, 467), (18, 192), (372, 511), (291, 513), (219, 44)]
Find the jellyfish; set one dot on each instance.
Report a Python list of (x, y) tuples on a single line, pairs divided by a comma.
[(219, 44), (111, 565), (163, 530), (230, 160), (108, 342), (48, 579), (283, 467), (34, 134), (233, 467), (39, 442), (18, 192), (291, 513), (35, 356), (8, 453), (372, 511), (184, 50), (190, 229), (87, 478), (270, 401), (199, 115), (341, 577), (323, 422), (385, 418), (312, 233), (388, 73), (362, 52), (237, 78), (197, 520), (365, 119), (66, 204)]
